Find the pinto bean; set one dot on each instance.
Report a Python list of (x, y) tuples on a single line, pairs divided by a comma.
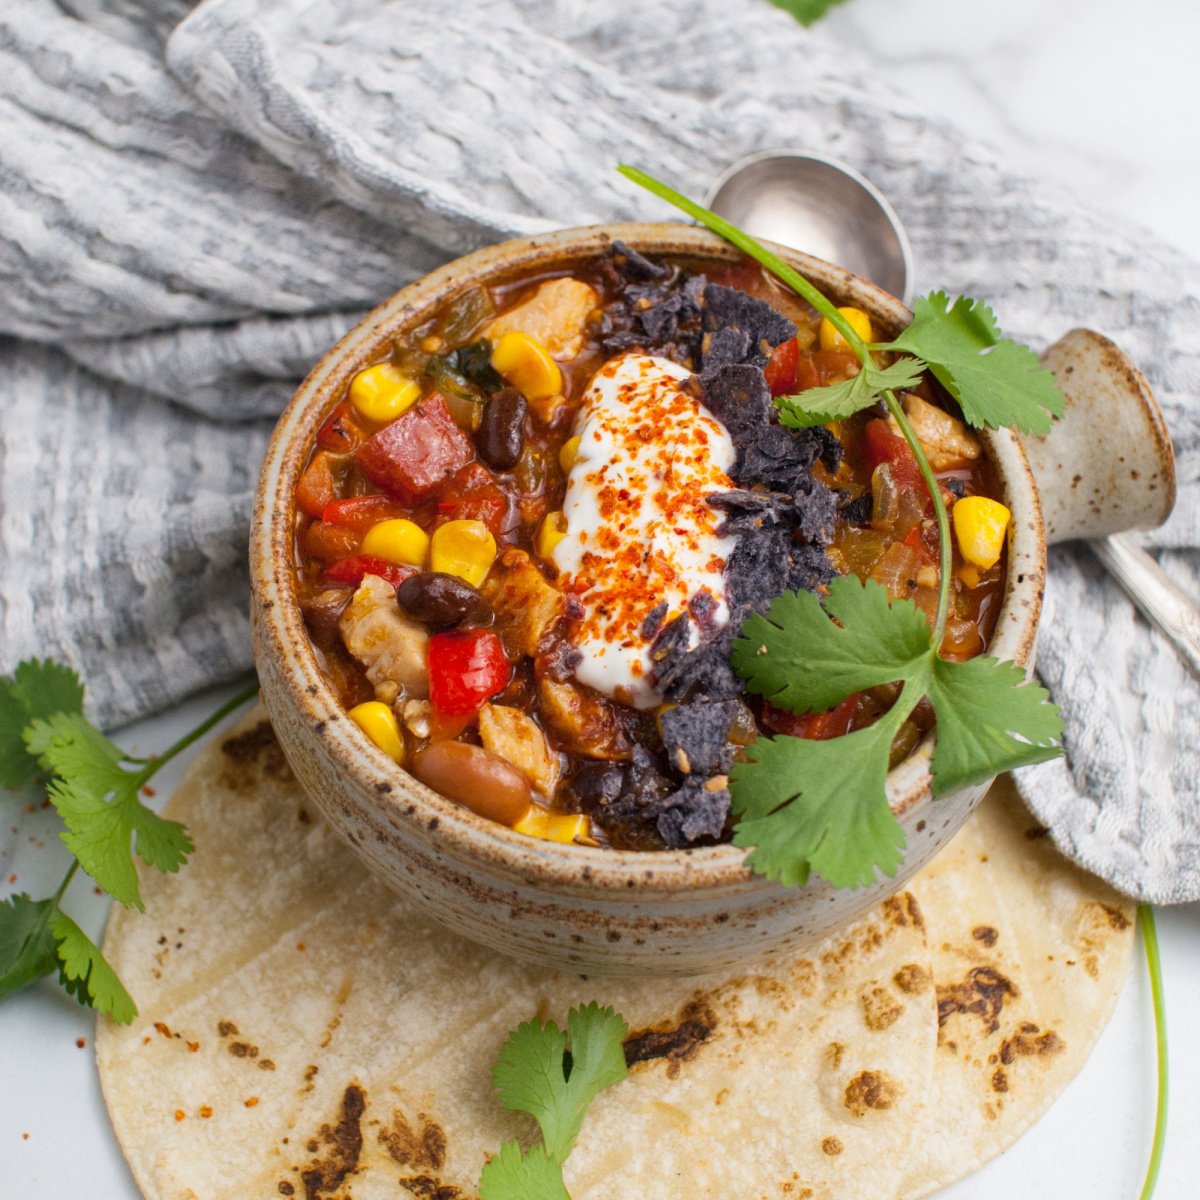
[(475, 778), (440, 599), (501, 434)]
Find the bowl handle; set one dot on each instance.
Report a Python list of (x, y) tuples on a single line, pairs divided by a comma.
[(1108, 465)]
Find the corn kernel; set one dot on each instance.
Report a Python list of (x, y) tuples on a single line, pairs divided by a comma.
[(527, 365), (568, 453), (463, 548), (858, 320), (979, 526), (397, 541), (378, 722), (553, 827), (550, 532), (382, 393)]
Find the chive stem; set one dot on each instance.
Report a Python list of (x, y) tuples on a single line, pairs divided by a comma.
[(1149, 933)]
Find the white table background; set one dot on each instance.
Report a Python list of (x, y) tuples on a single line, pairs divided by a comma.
[(1097, 95)]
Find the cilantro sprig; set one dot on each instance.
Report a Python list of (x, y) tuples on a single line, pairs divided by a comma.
[(95, 787), (809, 805), (538, 1074)]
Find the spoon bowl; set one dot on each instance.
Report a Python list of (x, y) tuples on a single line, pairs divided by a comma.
[(820, 206)]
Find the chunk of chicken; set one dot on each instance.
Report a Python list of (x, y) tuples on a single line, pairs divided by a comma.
[(526, 604), (945, 439), (391, 648), (516, 736), (586, 721), (556, 315)]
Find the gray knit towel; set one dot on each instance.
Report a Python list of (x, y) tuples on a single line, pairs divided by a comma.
[(195, 203)]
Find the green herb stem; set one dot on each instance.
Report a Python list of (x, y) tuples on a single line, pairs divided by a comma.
[(161, 760), (939, 511), (1154, 965), (747, 244), (62, 887)]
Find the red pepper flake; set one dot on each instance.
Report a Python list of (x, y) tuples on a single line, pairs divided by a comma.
[(162, 1028), (145, 1041), (205, 1111), (193, 1047), (179, 1114), (301, 947), (147, 790), (12, 878), (81, 1042), (24, 1137), (250, 1101)]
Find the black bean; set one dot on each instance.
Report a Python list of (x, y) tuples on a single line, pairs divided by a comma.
[(501, 434), (439, 599)]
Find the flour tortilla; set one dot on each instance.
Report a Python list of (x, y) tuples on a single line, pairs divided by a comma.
[(304, 1032), (1029, 958)]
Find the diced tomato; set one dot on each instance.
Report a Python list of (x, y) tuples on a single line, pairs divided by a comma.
[(781, 370), (351, 570), (340, 433), (881, 445), (818, 727), (317, 486), (417, 451), (475, 495), (359, 513), (327, 542), (466, 668)]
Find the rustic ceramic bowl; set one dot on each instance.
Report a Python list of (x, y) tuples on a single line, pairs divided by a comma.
[(577, 908)]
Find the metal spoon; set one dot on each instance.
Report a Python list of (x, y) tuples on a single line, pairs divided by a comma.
[(826, 208)]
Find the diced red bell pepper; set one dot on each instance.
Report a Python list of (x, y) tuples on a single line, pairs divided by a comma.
[(351, 570), (417, 451), (466, 668), (475, 495), (817, 727), (317, 486), (340, 433), (359, 513)]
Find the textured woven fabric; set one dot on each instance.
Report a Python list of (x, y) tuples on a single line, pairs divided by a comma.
[(194, 203)]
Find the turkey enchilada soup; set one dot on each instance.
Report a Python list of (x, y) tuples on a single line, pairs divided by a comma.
[(527, 539)]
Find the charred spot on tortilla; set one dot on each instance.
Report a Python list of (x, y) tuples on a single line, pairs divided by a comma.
[(881, 1008), (911, 979), (902, 909), (421, 1144), (832, 1146), (983, 992), (985, 934), (677, 1042), (344, 1141), (1030, 1041), (258, 747), (427, 1188), (871, 1090)]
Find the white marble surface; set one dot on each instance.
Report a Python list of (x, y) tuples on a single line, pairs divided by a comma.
[(1097, 96)]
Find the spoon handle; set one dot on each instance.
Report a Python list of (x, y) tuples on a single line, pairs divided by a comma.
[(1159, 597)]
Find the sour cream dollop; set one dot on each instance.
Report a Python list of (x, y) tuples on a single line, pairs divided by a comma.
[(639, 529)]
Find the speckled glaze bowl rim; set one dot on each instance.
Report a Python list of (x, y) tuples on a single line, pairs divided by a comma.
[(550, 865)]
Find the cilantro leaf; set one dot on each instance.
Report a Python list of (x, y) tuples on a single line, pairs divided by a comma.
[(807, 12), (980, 704), (98, 801), (535, 1075), (800, 660), (85, 972), (512, 1175), (819, 805), (26, 942), (822, 805), (996, 381), (817, 406), (35, 689)]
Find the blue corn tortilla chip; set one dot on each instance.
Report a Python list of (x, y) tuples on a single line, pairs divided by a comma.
[(693, 814), (739, 328), (696, 736)]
